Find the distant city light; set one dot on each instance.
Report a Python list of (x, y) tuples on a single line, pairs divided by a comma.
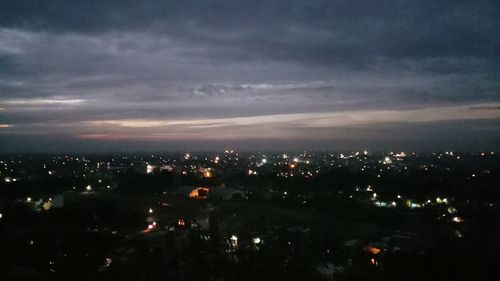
[(207, 174), (107, 262), (387, 160), (400, 155), (234, 241)]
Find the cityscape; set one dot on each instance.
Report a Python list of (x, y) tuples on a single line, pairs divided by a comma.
[(259, 140), (250, 216)]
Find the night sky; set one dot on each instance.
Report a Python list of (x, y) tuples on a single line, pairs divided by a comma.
[(256, 75)]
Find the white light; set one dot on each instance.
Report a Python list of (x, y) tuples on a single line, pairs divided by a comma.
[(1, 215), (28, 199), (256, 240), (150, 210), (107, 262)]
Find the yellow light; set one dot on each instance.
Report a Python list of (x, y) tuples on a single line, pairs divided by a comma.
[(47, 205)]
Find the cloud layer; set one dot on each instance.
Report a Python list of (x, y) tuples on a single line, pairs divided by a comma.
[(327, 71)]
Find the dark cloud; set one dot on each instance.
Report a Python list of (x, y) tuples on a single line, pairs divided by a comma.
[(64, 63)]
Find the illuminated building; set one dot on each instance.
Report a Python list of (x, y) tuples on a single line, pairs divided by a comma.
[(199, 193)]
